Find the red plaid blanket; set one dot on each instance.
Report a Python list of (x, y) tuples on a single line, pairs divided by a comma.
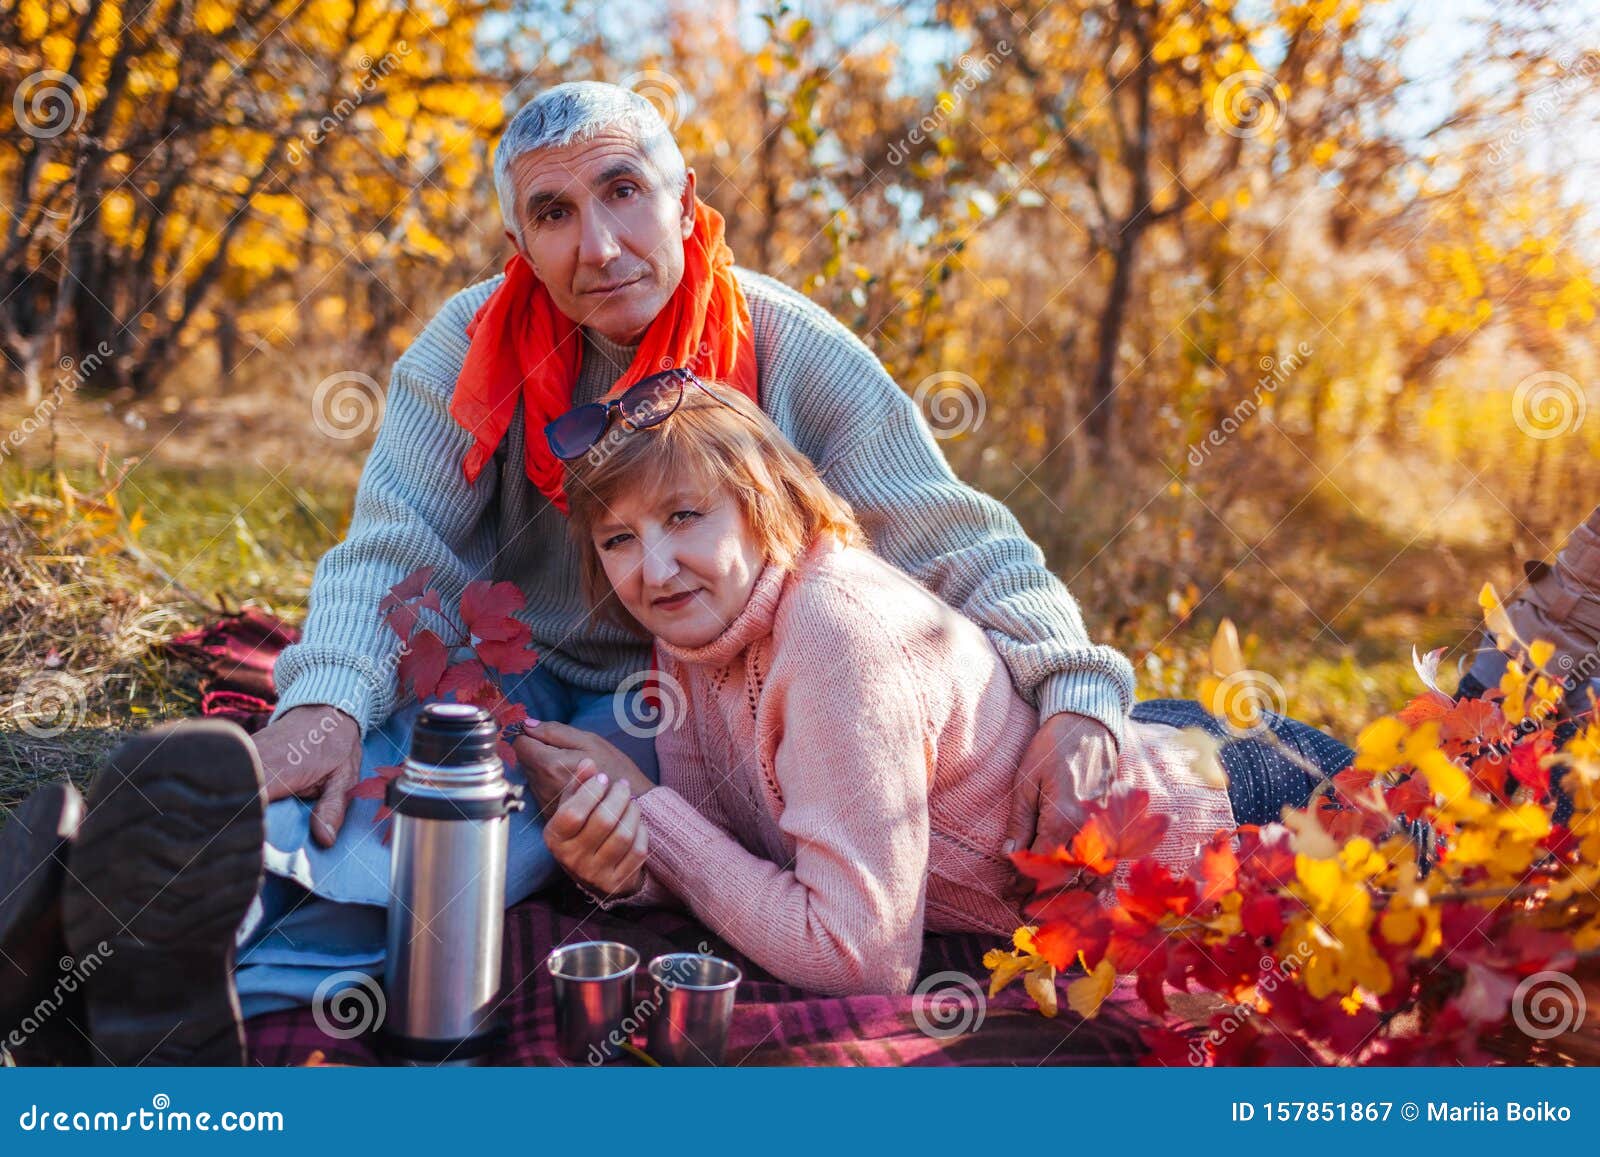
[(773, 1023)]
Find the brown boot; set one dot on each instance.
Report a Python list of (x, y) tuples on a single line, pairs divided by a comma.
[(41, 992), (163, 871), (1560, 605)]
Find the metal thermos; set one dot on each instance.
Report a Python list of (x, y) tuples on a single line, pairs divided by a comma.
[(447, 889)]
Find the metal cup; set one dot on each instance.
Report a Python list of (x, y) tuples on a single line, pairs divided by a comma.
[(694, 1008), (593, 983)]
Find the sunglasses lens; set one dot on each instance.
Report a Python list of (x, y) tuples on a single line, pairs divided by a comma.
[(651, 400), (571, 435)]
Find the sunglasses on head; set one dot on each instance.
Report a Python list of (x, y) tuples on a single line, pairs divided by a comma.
[(648, 402)]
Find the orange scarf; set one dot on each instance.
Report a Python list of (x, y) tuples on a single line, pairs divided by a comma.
[(521, 343)]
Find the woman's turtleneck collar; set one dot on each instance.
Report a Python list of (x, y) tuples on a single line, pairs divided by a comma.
[(752, 623)]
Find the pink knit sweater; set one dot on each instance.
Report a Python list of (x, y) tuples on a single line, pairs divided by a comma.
[(838, 776)]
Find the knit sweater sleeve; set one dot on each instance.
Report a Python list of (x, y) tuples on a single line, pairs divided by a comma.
[(413, 508), (852, 767), (838, 403)]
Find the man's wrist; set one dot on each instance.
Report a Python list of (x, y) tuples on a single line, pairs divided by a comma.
[(1091, 694)]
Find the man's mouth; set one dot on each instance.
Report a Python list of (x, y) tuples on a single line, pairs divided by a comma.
[(673, 602), (618, 285)]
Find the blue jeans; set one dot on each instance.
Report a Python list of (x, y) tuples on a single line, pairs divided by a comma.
[(1261, 782), (324, 911)]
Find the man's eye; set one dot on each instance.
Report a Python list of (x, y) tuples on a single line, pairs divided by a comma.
[(548, 215), (621, 189)]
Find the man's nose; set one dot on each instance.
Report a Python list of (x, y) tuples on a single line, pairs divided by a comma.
[(598, 243)]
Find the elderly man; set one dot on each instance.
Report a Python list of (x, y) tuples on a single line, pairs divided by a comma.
[(617, 263), (618, 268)]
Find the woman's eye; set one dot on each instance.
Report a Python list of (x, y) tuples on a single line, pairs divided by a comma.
[(679, 517), (615, 540)]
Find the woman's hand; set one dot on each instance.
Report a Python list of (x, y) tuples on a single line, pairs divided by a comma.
[(598, 833), (551, 752)]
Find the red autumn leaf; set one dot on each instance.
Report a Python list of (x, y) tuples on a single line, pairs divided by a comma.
[(1070, 923), (1262, 916), (1411, 797), (511, 655), (1218, 868), (376, 787), (1345, 824), (410, 587), (488, 695), (1151, 983), (1428, 705), (1092, 849), (1525, 758), (1170, 1048), (423, 664), (1049, 872), (1469, 725), (1132, 831), (460, 677), (1153, 892), (486, 609)]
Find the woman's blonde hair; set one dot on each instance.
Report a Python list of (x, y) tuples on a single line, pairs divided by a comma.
[(724, 440)]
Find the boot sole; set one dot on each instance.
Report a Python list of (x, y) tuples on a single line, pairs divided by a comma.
[(33, 860), (165, 866)]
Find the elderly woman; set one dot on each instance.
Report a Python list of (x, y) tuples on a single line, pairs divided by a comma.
[(840, 745)]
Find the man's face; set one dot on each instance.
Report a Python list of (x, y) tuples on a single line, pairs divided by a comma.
[(602, 231)]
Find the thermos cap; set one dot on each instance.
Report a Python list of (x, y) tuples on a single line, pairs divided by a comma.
[(454, 735)]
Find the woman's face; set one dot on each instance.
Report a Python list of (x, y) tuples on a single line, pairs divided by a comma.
[(683, 565)]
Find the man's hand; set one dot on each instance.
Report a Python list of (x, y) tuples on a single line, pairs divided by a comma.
[(314, 752), (598, 833), (551, 752), (1071, 761)]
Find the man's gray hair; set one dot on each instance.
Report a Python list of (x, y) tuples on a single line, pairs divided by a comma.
[(576, 112)]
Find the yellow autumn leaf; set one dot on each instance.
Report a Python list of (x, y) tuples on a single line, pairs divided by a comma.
[(1086, 994), (1041, 985)]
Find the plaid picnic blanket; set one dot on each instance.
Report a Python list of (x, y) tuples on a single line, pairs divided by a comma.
[(952, 1023), (773, 1023)]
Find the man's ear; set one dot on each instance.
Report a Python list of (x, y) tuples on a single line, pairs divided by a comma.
[(516, 243), (686, 205)]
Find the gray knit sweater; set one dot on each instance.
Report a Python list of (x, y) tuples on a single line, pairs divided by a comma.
[(827, 392)]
